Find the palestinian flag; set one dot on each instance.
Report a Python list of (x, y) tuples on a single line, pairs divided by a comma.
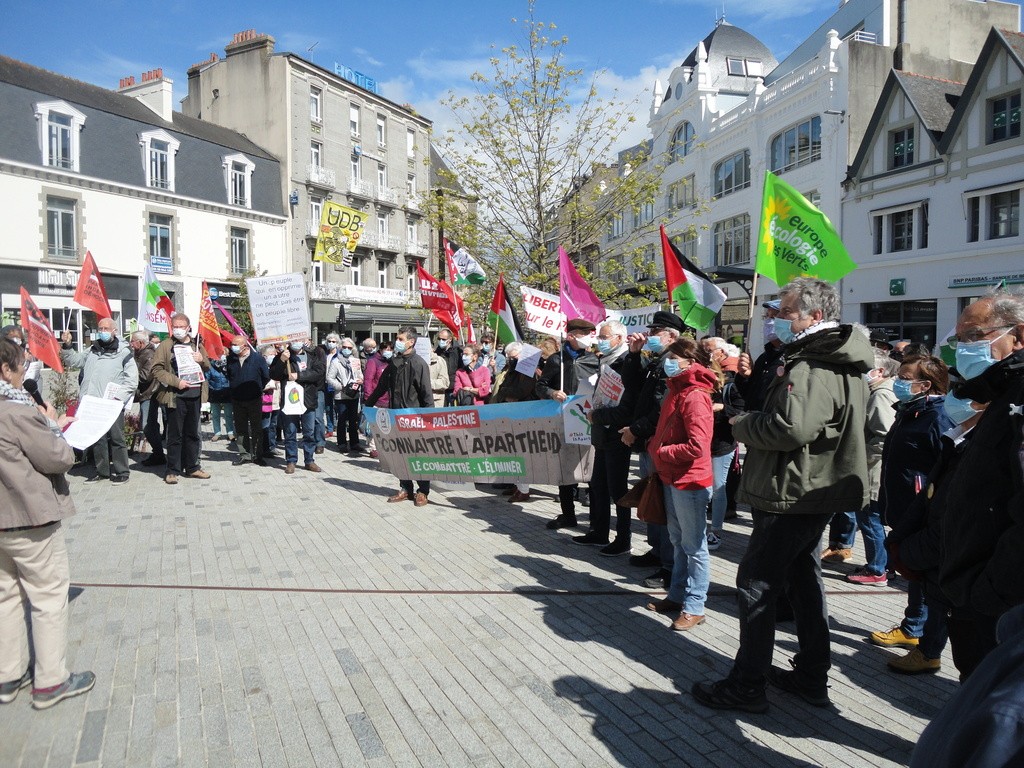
[(463, 268), (696, 297), (502, 317)]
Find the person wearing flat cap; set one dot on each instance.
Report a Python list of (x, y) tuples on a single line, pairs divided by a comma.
[(573, 372)]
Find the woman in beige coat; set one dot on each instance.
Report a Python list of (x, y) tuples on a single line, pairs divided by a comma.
[(34, 499)]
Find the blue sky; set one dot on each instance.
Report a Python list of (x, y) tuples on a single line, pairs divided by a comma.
[(417, 49)]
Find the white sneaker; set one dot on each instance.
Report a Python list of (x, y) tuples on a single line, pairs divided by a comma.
[(714, 542)]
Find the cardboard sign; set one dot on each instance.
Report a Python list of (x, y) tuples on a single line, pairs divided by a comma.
[(510, 442), (280, 308)]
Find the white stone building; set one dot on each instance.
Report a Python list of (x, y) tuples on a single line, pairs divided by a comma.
[(122, 176), (932, 207), (730, 112)]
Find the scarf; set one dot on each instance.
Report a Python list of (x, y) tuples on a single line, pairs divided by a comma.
[(14, 394)]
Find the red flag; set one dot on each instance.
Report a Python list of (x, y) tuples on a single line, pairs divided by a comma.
[(450, 317), (432, 295), (209, 331), (41, 342), (90, 292)]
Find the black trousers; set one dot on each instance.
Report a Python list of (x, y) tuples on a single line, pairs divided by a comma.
[(610, 482), (248, 416), (183, 440), (972, 636), (782, 557)]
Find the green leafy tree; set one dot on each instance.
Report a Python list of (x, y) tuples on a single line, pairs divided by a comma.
[(524, 146)]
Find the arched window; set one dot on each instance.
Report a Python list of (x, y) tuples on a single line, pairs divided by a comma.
[(682, 142)]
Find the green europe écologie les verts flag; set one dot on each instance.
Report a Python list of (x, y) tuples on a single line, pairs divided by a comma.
[(797, 240)]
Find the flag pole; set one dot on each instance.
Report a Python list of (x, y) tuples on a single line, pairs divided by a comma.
[(753, 304)]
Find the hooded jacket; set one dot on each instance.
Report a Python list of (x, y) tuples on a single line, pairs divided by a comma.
[(681, 446), (806, 450), (911, 449), (982, 512)]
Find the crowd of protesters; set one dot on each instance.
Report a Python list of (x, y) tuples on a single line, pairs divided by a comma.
[(843, 430)]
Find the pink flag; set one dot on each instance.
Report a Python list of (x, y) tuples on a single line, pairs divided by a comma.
[(231, 319), (577, 298)]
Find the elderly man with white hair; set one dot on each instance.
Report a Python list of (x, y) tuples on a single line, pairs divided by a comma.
[(610, 480)]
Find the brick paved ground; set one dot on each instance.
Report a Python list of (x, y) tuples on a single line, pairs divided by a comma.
[(264, 619)]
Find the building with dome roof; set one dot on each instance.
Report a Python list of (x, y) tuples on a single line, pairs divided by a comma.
[(730, 112)]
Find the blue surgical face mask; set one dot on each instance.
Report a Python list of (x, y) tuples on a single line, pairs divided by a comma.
[(105, 336), (400, 346), (346, 352), (486, 348), (442, 343), (296, 346), (332, 345), (466, 360), (783, 330), (672, 367), (654, 345), (388, 354), (235, 349), (973, 358), (604, 346), (769, 329), (958, 409), (903, 389)]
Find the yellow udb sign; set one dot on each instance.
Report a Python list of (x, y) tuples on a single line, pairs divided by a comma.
[(339, 233)]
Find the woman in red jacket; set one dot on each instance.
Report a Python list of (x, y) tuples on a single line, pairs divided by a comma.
[(681, 450), (471, 378)]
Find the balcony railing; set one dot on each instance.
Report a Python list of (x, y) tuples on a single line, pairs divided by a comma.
[(361, 188), (369, 239), (322, 177), (412, 202), (387, 195), (389, 243), (417, 249), (312, 228)]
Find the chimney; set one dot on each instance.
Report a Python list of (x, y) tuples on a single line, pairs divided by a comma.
[(153, 89), (249, 40)]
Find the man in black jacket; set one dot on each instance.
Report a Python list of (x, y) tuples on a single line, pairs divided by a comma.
[(248, 374), (611, 456), (304, 366), (982, 508), (643, 363), (410, 388), (573, 372)]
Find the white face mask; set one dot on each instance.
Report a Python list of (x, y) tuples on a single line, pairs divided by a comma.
[(179, 333)]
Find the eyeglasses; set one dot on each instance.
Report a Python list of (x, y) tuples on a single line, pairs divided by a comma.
[(978, 334), (348, 348)]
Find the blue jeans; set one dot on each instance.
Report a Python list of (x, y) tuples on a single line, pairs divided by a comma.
[(320, 424), (222, 414), (720, 465), (269, 425), (291, 429), (916, 614), (869, 520), (329, 411), (691, 572), (842, 531)]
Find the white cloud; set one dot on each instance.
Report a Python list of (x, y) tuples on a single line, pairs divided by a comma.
[(366, 56)]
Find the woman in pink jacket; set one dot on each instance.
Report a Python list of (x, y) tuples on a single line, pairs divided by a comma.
[(472, 379), (681, 450)]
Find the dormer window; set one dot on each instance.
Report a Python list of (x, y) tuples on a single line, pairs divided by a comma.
[(735, 67), (59, 126), (238, 179), (158, 151), (901, 148), (1004, 117)]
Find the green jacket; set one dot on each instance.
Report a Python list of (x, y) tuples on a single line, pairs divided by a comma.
[(806, 450)]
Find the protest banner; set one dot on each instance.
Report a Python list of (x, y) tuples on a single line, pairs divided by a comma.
[(542, 312), (280, 309), (339, 233), (636, 320), (509, 442)]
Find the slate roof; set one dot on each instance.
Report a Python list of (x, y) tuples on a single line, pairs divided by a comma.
[(728, 41), (77, 92), (933, 99)]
